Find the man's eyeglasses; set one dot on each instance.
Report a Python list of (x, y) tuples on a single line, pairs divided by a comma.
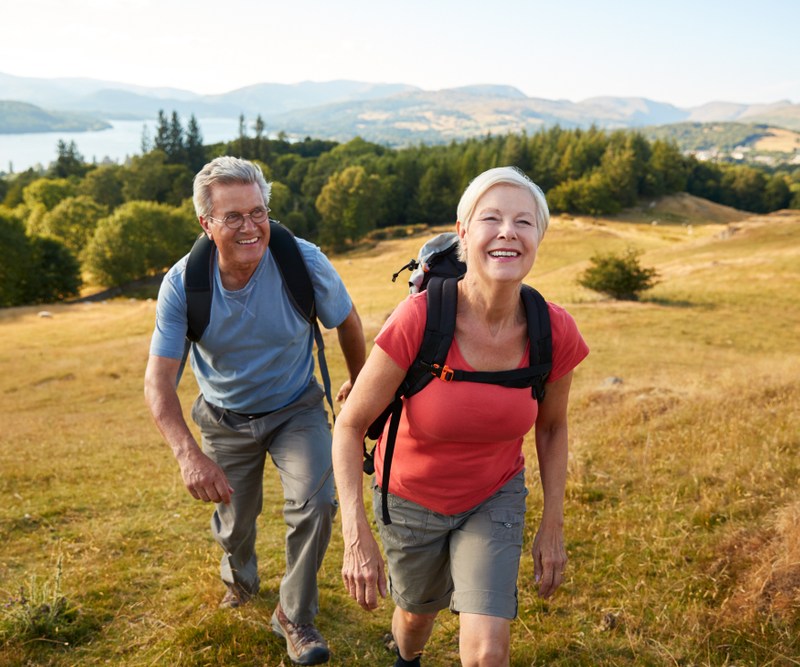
[(233, 221)]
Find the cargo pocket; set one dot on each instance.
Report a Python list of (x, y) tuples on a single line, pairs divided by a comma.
[(507, 526), (205, 414), (409, 520)]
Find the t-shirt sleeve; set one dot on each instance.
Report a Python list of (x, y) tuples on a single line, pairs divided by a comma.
[(401, 335), (331, 297), (169, 335), (569, 348)]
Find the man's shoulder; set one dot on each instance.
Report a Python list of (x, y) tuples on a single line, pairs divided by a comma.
[(178, 269), (310, 251), (174, 278)]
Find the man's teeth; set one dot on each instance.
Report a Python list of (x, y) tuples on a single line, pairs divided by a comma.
[(247, 241), (503, 253)]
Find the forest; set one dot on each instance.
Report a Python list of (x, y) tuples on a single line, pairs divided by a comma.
[(106, 225)]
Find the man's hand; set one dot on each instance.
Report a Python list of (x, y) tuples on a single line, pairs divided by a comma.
[(204, 479), (344, 391)]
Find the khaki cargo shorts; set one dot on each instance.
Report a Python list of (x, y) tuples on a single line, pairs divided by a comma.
[(468, 562)]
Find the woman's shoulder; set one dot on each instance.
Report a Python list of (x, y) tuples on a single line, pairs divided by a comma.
[(409, 310), (559, 316)]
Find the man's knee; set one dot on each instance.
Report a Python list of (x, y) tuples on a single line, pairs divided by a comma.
[(319, 507)]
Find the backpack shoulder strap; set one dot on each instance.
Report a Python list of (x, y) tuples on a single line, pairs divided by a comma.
[(540, 337), (197, 285), (292, 266), (297, 279), (440, 326)]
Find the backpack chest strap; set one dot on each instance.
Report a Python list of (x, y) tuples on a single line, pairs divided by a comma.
[(517, 378)]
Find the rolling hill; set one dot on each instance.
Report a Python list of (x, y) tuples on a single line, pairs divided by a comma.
[(19, 117), (394, 114)]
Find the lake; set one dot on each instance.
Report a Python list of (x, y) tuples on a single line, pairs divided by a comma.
[(18, 152)]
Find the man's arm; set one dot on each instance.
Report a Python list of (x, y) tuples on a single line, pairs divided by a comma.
[(351, 340), (203, 478)]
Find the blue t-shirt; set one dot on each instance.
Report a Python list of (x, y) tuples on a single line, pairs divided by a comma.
[(256, 355)]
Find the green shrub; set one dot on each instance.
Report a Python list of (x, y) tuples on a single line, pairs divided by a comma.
[(618, 276)]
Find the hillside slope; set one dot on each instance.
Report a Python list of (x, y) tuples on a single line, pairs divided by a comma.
[(682, 523)]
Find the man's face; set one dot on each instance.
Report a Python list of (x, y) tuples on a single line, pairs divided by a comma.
[(240, 249)]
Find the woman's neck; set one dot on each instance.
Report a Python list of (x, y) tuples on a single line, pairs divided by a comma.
[(498, 305)]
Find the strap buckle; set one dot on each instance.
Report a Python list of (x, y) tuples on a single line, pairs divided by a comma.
[(443, 372)]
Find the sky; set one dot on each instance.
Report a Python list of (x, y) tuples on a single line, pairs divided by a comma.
[(684, 52)]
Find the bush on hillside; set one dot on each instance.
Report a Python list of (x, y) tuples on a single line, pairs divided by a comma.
[(618, 276), (139, 239)]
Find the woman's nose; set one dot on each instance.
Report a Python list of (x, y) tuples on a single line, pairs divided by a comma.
[(507, 229)]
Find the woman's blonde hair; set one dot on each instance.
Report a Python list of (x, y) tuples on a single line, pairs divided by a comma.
[(501, 176)]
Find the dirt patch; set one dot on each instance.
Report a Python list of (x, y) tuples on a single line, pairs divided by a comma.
[(762, 570)]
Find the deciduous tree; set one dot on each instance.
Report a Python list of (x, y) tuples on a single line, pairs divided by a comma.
[(137, 240), (347, 204)]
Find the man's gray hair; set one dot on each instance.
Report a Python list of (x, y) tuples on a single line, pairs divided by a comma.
[(226, 170)]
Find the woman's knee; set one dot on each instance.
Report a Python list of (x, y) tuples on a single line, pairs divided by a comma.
[(485, 642), (484, 654)]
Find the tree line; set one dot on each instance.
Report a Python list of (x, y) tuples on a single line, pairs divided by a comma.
[(117, 223)]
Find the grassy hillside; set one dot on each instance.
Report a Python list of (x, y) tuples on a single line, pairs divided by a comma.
[(683, 516)]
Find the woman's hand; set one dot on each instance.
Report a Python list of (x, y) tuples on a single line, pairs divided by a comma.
[(549, 559), (363, 570)]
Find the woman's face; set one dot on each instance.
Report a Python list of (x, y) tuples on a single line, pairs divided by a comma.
[(502, 238)]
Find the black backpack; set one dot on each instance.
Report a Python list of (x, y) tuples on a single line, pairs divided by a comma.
[(199, 280), (438, 271)]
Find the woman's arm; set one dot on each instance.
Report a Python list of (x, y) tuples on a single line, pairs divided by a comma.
[(362, 567), (549, 554)]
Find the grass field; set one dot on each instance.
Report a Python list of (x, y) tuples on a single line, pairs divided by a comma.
[(682, 513)]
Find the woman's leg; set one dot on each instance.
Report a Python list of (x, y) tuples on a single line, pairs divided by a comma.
[(484, 640), (411, 632)]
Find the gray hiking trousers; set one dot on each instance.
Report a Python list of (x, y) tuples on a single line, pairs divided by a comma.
[(298, 439)]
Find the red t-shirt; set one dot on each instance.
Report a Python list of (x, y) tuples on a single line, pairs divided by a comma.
[(459, 442)]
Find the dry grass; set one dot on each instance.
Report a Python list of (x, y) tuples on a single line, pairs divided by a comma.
[(779, 140), (683, 517)]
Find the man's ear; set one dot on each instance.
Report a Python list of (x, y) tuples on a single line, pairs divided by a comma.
[(206, 227)]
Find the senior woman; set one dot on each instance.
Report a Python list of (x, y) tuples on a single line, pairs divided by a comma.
[(457, 490)]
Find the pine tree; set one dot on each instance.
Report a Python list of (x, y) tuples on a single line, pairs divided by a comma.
[(194, 151), (175, 147), (162, 132)]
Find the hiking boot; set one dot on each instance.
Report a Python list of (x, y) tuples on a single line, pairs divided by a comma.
[(304, 644), (235, 596)]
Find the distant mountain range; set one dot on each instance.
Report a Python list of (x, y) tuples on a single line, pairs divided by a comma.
[(394, 114)]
